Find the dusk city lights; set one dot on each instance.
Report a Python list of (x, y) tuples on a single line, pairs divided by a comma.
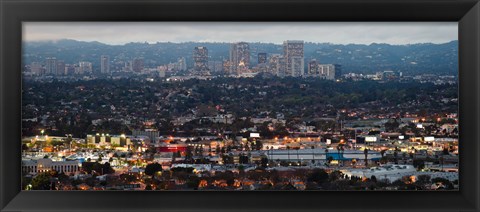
[(240, 106)]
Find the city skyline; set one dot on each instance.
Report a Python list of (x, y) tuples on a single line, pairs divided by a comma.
[(179, 32), (240, 115)]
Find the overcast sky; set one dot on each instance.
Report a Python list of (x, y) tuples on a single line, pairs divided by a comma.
[(320, 32)]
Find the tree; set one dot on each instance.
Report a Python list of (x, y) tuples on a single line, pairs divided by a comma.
[(382, 152), (391, 125), (423, 180), (419, 164), (41, 181), (365, 151), (445, 182), (264, 161), (317, 175), (258, 145), (152, 169)]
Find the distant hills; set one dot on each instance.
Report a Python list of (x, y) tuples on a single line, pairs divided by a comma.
[(358, 58)]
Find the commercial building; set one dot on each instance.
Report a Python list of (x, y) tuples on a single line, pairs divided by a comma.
[(47, 164), (104, 64), (138, 65), (294, 58), (312, 67), (262, 58), (85, 67), (37, 68), (200, 59), (276, 65), (324, 71), (60, 67), (109, 140), (182, 64), (152, 134), (51, 65), (240, 57)]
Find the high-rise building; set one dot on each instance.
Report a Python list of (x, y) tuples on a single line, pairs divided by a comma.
[(37, 68), (262, 58), (69, 69), (200, 58), (104, 64), (227, 67), (313, 67), (276, 65), (182, 64), (326, 71), (85, 67), (294, 58), (240, 57), (60, 67), (51, 65), (137, 65)]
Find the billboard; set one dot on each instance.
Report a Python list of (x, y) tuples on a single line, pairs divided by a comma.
[(254, 135), (429, 138), (370, 139)]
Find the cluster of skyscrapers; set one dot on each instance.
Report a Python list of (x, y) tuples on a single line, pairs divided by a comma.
[(290, 63)]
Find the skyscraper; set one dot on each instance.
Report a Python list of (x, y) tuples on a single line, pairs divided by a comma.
[(200, 58), (262, 58), (51, 65), (137, 65), (37, 68), (326, 71), (182, 64), (275, 65), (60, 68), (313, 67), (85, 67), (294, 58), (104, 64), (240, 57)]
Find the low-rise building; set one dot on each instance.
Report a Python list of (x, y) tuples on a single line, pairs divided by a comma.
[(46, 164)]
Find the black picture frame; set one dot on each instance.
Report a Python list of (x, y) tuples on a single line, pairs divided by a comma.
[(14, 12)]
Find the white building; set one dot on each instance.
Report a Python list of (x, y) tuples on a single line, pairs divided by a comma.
[(46, 164), (294, 58)]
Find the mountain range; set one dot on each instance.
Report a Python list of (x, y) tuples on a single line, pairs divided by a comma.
[(412, 59)]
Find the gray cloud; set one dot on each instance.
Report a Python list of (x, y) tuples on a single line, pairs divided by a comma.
[(272, 32)]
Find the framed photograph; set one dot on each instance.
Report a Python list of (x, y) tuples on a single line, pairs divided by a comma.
[(239, 105)]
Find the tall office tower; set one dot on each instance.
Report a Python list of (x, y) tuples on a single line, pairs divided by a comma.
[(240, 57), (51, 65), (262, 58), (60, 67), (104, 64), (313, 68), (85, 67), (338, 71), (137, 65), (182, 64), (326, 71), (227, 67), (69, 69), (37, 68), (274, 64), (294, 58), (200, 58)]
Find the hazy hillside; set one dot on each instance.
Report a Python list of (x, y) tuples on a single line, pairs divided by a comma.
[(417, 58)]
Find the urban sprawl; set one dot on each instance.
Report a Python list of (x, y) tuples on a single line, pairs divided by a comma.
[(251, 122)]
